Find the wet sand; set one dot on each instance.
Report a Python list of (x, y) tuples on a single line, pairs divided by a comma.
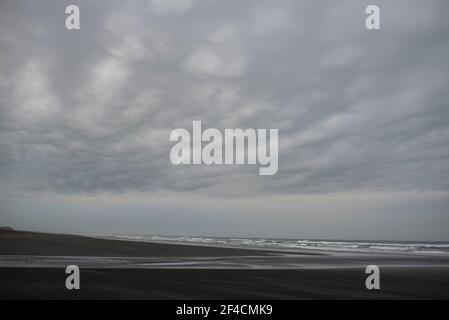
[(48, 283)]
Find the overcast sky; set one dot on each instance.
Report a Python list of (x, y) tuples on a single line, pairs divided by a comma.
[(363, 117)]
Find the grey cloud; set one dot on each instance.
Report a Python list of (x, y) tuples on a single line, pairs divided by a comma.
[(91, 111)]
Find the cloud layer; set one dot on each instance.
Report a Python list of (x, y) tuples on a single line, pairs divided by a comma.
[(91, 110)]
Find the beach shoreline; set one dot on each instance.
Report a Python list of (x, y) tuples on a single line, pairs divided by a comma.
[(32, 266)]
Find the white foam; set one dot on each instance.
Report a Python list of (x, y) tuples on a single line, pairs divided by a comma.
[(433, 248)]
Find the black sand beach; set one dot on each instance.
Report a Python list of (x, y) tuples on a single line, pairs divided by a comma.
[(306, 276), (35, 243), (47, 283)]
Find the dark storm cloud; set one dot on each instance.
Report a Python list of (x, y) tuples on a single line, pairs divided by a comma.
[(91, 110)]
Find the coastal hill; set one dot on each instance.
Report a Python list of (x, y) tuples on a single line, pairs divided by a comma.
[(6, 228)]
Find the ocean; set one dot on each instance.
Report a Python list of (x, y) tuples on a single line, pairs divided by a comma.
[(414, 247)]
